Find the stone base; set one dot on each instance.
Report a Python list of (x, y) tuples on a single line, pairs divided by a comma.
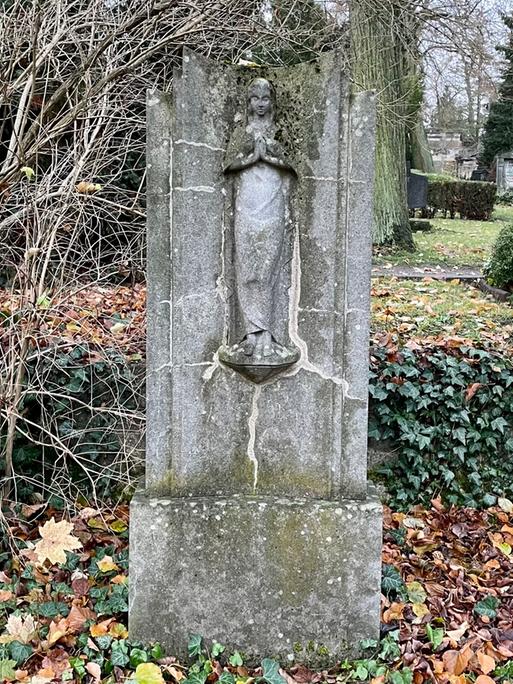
[(294, 579)]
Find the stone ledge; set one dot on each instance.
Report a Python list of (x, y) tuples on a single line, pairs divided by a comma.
[(294, 579)]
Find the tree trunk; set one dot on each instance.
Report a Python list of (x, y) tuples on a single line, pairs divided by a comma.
[(421, 158), (378, 64)]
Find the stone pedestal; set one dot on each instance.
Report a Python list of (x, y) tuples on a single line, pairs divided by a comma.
[(255, 526), (289, 578)]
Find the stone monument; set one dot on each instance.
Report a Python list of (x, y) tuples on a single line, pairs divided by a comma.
[(256, 526)]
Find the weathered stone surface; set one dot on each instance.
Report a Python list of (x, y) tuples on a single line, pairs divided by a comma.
[(288, 578), (256, 527), (304, 432)]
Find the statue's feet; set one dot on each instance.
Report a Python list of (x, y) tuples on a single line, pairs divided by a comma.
[(249, 344)]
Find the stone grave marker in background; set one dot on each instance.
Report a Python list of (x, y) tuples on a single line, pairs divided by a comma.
[(417, 189), (256, 526)]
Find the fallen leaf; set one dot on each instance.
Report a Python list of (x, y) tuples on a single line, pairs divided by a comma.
[(106, 564), (148, 673), (456, 634), (56, 540), (455, 662), (505, 504), (19, 628), (94, 670), (57, 630), (486, 662), (78, 616)]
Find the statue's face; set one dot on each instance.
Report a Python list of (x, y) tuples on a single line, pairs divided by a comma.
[(260, 102)]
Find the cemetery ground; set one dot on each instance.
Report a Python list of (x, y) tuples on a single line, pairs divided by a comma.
[(447, 589), (452, 242)]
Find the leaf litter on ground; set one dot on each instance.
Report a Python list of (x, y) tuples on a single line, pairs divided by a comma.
[(447, 604)]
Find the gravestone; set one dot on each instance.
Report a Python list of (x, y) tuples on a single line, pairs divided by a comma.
[(256, 526), (504, 171), (417, 189)]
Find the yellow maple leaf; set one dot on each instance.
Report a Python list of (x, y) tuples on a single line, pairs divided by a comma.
[(56, 539), (106, 564)]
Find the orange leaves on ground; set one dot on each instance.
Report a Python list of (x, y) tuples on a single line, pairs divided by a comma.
[(486, 662), (456, 662), (56, 540)]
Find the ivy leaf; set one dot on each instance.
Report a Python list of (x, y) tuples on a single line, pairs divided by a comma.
[(270, 672), (217, 649), (226, 678), (487, 607), (391, 580), (7, 670), (435, 636), (235, 660), (119, 653), (416, 592), (20, 652), (138, 656), (194, 647)]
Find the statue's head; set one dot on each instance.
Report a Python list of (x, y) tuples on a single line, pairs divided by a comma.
[(260, 99)]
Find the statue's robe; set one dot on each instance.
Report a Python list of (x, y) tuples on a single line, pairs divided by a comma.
[(262, 197)]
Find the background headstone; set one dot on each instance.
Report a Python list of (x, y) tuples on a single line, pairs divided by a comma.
[(417, 190)]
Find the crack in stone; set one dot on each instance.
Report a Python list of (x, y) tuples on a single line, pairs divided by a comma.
[(329, 179), (199, 144), (294, 298), (195, 188), (252, 421), (221, 288), (212, 365)]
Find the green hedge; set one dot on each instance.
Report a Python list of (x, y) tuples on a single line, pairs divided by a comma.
[(499, 269), (450, 414), (470, 199)]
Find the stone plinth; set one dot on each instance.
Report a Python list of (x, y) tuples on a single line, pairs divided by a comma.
[(290, 578)]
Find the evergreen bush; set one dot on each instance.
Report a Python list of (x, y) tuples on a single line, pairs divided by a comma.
[(450, 413), (499, 270), (498, 130), (473, 200)]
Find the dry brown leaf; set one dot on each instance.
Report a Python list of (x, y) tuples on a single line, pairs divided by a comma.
[(395, 612), (484, 679), (101, 628), (94, 670), (486, 662), (455, 662), (456, 634), (87, 188), (57, 630), (78, 616), (56, 540)]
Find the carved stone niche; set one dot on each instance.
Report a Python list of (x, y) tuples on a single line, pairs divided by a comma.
[(259, 250)]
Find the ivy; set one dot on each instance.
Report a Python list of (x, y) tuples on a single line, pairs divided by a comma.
[(450, 413)]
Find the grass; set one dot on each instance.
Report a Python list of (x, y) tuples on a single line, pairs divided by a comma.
[(428, 308), (452, 242)]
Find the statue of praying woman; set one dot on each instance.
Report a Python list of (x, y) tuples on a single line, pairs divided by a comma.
[(262, 188)]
